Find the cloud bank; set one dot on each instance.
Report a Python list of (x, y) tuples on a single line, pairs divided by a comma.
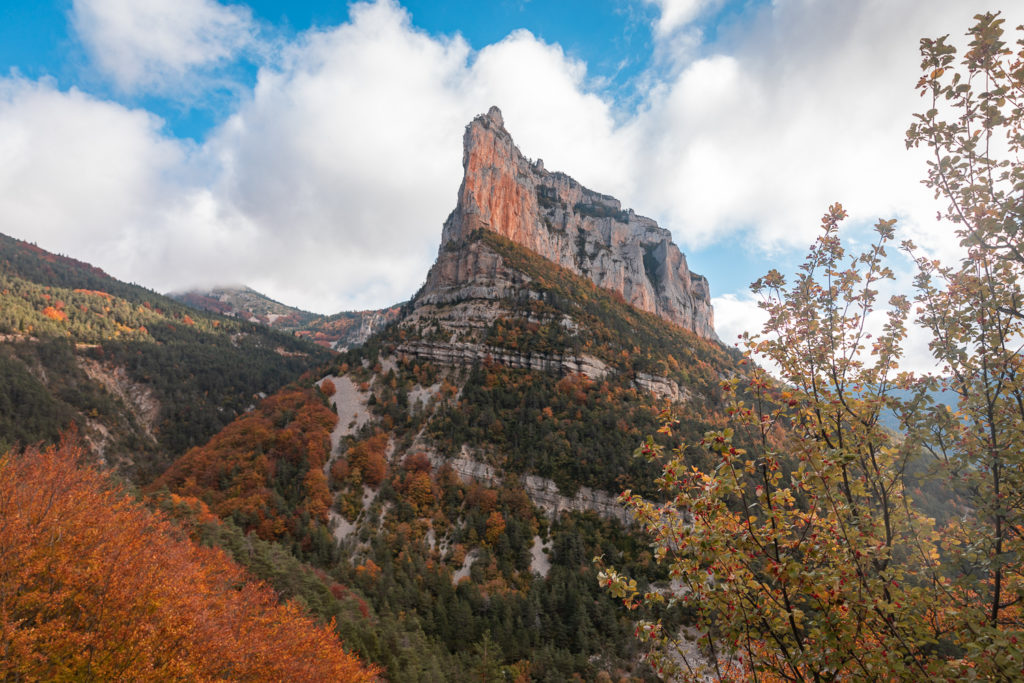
[(327, 184)]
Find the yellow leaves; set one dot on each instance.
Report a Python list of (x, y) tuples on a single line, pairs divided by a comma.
[(783, 498)]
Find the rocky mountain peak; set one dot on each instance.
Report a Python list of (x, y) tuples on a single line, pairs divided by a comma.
[(582, 230), (494, 114)]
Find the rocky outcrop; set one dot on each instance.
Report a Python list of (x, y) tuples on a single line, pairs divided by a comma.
[(662, 387), (545, 495), (587, 232), (138, 399), (467, 354), (472, 271), (542, 492)]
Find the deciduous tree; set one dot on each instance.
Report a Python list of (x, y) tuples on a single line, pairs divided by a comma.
[(807, 556), (93, 586)]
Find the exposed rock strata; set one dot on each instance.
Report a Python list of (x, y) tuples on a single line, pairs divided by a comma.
[(467, 354), (587, 232), (473, 271), (661, 387), (543, 492)]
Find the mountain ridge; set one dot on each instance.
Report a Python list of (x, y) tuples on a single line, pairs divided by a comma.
[(337, 332), (142, 377)]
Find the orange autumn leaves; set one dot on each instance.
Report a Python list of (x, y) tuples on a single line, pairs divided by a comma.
[(93, 586), (370, 457), (274, 453)]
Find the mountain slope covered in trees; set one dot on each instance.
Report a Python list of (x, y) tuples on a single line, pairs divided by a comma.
[(471, 468), (141, 376), (93, 586)]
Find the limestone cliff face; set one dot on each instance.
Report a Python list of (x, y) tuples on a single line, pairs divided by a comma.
[(589, 233)]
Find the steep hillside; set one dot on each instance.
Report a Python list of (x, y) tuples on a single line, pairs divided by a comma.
[(493, 305), (143, 377), (339, 332), (94, 587), (472, 468)]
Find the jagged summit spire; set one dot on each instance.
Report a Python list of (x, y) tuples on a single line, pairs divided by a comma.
[(494, 114), (585, 231)]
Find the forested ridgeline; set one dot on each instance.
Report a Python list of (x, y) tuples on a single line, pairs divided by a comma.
[(143, 377)]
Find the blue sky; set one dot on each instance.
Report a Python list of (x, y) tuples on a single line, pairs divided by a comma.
[(313, 149), (613, 37)]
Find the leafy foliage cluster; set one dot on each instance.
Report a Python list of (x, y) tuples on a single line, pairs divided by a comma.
[(551, 627), (809, 556), (499, 617), (265, 472), (93, 586), (31, 410), (400, 647), (573, 430)]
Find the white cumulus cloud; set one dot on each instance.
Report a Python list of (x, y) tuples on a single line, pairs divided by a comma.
[(675, 14), (154, 45), (78, 174)]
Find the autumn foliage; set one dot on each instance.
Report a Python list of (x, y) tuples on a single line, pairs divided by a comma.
[(273, 454), (55, 314), (834, 548), (93, 586), (370, 457)]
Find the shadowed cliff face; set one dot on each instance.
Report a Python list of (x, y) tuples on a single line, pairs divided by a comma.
[(589, 233)]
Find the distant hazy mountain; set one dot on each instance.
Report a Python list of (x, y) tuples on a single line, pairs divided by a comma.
[(339, 332), (247, 304)]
